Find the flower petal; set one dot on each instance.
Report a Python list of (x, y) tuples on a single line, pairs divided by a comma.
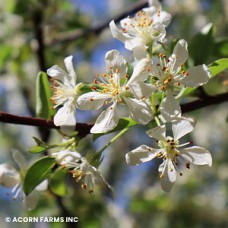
[(168, 177), (42, 186), (142, 90), (66, 156), (158, 133), (69, 125), (170, 109), (139, 52), (114, 60), (30, 201), (65, 115), (57, 72), (19, 159), (163, 17), (69, 66), (9, 176), (106, 121), (197, 155), (139, 110), (181, 53), (141, 71), (182, 126), (141, 154), (198, 75), (92, 100), (116, 33)]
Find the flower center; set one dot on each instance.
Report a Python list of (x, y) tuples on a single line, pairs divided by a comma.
[(141, 25), (109, 83), (167, 75), (169, 147), (62, 93)]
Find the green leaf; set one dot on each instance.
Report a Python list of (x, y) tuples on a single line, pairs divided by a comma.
[(202, 44), (57, 182), (221, 48), (123, 123), (37, 149), (38, 172), (218, 66), (43, 95)]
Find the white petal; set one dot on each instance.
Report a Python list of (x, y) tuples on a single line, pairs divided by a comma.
[(197, 155), (139, 110), (9, 176), (69, 125), (198, 75), (69, 66), (134, 42), (30, 201), (92, 100), (158, 133), (164, 18), (170, 109), (42, 186), (19, 159), (182, 127), (169, 177), (140, 52), (142, 89), (181, 53), (57, 72), (116, 33), (141, 154), (65, 115), (141, 71), (155, 3), (106, 121), (66, 156), (115, 60)]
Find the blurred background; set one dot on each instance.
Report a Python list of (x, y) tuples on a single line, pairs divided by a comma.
[(35, 35)]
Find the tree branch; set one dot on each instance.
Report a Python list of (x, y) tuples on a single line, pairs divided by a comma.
[(84, 128), (82, 33)]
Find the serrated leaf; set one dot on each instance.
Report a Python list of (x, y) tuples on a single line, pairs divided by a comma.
[(57, 182), (202, 44), (38, 172), (37, 149), (43, 95), (123, 123)]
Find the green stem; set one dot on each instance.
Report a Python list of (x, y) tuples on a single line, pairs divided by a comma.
[(114, 139), (157, 121)]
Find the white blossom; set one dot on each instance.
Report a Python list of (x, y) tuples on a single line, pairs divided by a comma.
[(65, 93), (169, 76), (80, 169), (139, 33), (174, 154), (12, 178), (114, 88)]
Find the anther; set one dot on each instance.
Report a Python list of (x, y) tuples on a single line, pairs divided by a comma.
[(91, 99), (188, 165)]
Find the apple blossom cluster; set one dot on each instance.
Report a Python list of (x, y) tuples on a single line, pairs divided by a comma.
[(150, 94), (152, 74)]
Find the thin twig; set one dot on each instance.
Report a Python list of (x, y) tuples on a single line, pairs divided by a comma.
[(82, 33), (84, 128)]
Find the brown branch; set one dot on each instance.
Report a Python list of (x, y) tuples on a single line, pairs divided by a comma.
[(204, 102), (84, 128), (77, 34)]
